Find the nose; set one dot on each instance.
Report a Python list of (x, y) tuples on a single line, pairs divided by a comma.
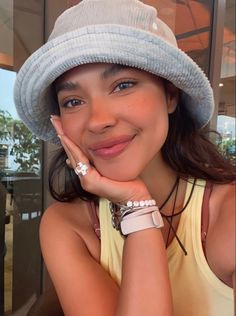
[(101, 116)]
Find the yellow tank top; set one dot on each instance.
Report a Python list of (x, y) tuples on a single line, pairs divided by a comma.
[(195, 288)]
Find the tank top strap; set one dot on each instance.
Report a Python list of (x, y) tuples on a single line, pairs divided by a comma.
[(205, 213), (94, 217)]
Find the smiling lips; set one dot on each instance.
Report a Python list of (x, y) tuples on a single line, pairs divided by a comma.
[(111, 148)]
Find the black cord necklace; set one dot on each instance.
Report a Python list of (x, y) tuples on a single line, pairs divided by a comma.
[(171, 192), (172, 214), (169, 218)]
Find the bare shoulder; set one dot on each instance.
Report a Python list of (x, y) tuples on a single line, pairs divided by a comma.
[(220, 244), (222, 205), (71, 253), (73, 214), (69, 219)]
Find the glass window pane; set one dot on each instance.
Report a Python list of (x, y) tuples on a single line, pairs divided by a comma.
[(20, 168), (226, 108)]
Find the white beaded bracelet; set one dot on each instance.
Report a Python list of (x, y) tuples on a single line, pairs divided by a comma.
[(136, 204)]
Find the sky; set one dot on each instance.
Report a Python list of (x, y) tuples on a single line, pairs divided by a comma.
[(7, 79), (226, 124)]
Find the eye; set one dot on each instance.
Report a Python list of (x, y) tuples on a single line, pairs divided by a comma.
[(72, 103), (124, 85)]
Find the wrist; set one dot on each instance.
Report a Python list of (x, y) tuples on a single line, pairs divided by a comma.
[(135, 215)]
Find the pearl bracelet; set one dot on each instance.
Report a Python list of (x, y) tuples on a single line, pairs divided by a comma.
[(137, 204)]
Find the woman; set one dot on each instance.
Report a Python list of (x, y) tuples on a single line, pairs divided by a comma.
[(129, 109)]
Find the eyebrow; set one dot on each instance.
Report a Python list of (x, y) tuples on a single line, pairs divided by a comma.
[(112, 70), (66, 86), (107, 73)]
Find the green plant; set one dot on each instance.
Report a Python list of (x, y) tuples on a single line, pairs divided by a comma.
[(6, 123), (24, 146), (227, 147)]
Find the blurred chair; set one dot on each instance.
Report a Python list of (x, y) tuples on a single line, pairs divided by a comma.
[(27, 209), (27, 198)]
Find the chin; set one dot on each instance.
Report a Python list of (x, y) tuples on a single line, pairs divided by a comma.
[(121, 175)]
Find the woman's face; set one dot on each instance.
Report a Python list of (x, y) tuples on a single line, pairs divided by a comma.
[(117, 115)]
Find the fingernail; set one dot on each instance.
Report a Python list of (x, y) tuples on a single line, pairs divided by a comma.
[(59, 136), (53, 116)]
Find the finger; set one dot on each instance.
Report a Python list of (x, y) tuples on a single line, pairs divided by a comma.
[(73, 162), (74, 150), (56, 122), (68, 162)]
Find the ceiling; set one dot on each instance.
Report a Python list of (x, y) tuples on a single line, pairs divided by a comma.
[(189, 20)]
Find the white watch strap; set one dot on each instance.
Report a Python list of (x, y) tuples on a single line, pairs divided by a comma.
[(134, 224)]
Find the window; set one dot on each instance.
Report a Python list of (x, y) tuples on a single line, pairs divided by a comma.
[(226, 109), (20, 166)]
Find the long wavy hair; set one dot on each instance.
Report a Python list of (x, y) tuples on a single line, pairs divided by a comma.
[(188, 150)]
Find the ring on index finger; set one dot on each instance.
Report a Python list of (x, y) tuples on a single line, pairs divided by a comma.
[(81, 169)]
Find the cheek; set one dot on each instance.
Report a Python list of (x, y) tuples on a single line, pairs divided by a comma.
[(160, 132), (155, 130), (71, 127), (155, 118), (153, 105)]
